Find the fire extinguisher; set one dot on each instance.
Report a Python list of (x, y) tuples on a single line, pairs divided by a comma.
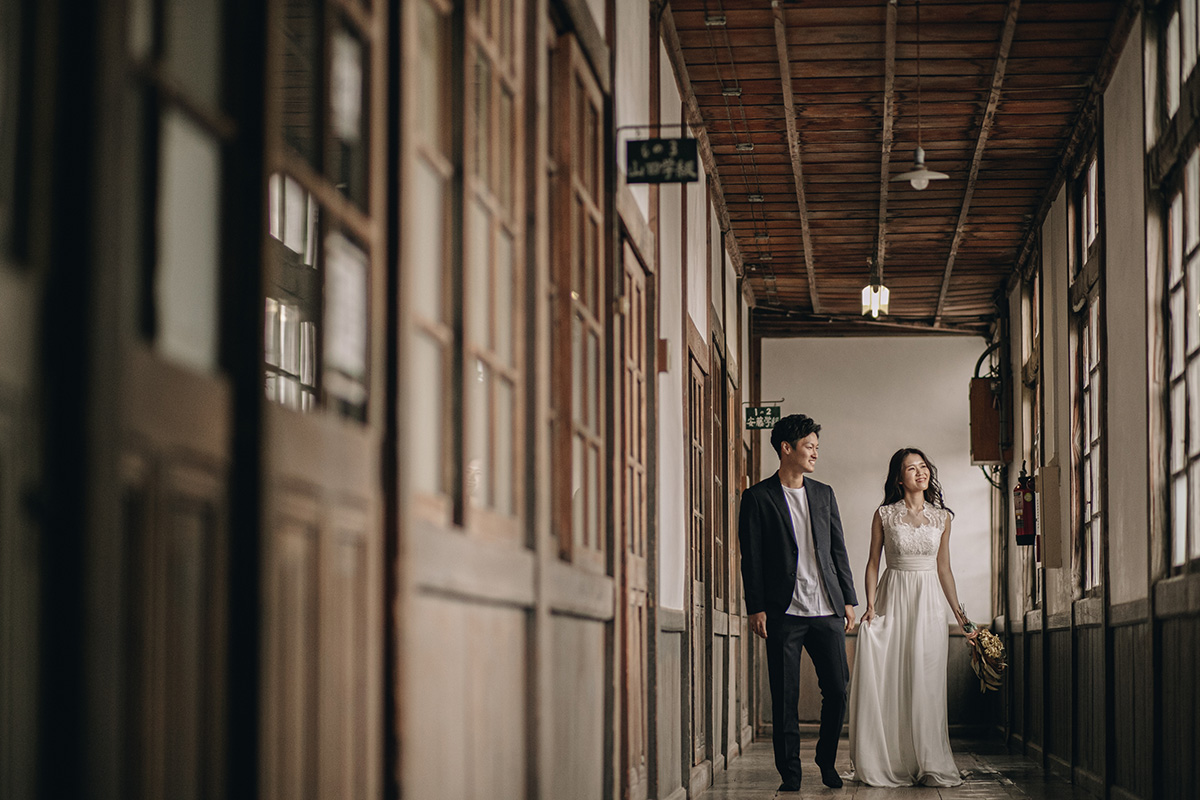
[(1025, 509)]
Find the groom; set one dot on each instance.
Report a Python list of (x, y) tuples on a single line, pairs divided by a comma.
[(799, 593)]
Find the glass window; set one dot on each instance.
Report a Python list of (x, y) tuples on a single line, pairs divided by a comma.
[(578, 266)]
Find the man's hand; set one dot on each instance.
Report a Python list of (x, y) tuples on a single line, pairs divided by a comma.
[(758, 623), (849, 617)]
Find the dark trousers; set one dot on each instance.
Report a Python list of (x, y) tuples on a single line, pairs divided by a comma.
[(825, 640)]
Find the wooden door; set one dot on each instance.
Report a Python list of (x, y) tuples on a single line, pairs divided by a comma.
[(697, 488), (20, 419), (718, 525), (324, 262), (635, 339)]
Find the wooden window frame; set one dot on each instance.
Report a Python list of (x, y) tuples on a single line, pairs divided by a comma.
[(580, 294), (1088, 349), (437, 152)]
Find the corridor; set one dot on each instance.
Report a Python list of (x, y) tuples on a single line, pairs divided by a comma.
[(989, 773)]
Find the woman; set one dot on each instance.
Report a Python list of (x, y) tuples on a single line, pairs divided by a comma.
[(898, 733)]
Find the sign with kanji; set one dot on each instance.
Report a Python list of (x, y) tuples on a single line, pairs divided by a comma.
[(758, 417), (660, 161)]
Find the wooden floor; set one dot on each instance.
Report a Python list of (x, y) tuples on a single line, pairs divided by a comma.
[(990, 774)]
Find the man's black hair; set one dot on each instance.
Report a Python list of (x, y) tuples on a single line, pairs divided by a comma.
[(790, 429)]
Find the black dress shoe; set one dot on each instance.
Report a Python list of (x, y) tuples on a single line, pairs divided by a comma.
[(830, 777), (789, 787)]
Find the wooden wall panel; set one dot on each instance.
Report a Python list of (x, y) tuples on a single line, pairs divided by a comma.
[(1132, 769), (1088, 681), (435, 755), (719, 662), (1033, 696), (1180, 707), (1059, 694), (577, 709), (290, 752), (670, 713), (1017, 678), (345, 673)]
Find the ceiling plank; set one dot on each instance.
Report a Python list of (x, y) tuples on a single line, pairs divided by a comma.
[(985, 130), (889, 117), (793, 136), (696, 120)]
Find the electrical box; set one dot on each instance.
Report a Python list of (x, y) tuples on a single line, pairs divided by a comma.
[(985, 423)]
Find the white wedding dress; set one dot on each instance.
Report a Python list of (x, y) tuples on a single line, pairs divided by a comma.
[(898, 734)]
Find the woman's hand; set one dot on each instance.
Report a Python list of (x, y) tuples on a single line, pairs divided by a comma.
[(868, 615)]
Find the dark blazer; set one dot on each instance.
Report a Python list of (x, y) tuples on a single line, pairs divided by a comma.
[(769, 547)]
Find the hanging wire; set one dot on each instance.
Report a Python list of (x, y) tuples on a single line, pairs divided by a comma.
[(918, 4)]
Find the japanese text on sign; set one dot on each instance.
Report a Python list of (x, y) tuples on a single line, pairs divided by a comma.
[(660, 161), (761, 416)]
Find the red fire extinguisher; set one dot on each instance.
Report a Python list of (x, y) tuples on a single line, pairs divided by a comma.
[(1025, 508)]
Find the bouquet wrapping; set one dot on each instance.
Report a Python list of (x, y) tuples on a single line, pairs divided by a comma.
[(987, 655)]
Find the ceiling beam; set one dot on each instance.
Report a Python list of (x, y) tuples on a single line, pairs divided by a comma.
[(696, 120), (793, 135), (889, 116), (1129, 12), (985, 130)]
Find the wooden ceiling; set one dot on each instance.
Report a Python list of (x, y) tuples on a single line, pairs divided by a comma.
[(809, 108)]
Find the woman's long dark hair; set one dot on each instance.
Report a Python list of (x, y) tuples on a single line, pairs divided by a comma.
[(893, 491)]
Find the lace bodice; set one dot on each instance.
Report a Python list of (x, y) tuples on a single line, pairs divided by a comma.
[(906, 534)]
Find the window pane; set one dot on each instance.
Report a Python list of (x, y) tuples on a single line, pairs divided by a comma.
[(193, 47), (271, 345), (301, 37), (1193, 517), (346, 317), (592, 266), (1173, 65), (478, 278), (188, 243), (591, 414), (426, 243), (578, 501), (425, 410), (1193, 391), (348, 79), (504, 432), (479, 463), (1175, 254), (431, 94), (1188, 26), (577, 386), (505, 299), (1179, 522), (593, 490), (1192, 306), (506, 138), (1094, 470), (1178, 418), (483, 116), (1191, 202), (289, 338), (1177, 329)]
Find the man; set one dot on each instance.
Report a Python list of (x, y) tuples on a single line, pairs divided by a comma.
[(799, 593)]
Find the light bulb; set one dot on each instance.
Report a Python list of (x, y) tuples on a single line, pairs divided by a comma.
[(919, 183)]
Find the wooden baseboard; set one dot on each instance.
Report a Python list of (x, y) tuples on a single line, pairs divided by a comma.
[(1088, 781), (678, 794), (747, 736), (1060, 767), (1033, 750), (1117, 793), (718, 763), (700, 779)]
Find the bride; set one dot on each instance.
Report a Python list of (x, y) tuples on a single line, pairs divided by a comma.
[(898, 733)]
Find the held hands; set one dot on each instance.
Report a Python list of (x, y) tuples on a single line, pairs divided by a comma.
[(758, 623)]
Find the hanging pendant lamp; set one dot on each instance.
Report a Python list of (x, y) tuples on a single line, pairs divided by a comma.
[(919, 176), (875, 294)]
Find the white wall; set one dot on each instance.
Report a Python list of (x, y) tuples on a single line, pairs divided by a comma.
[(672, 453), (872, 396), (1056, 431), (1125, 281), (632, 95), (697, 252)]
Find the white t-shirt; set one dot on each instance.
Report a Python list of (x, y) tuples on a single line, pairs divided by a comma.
[(809, 598)]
